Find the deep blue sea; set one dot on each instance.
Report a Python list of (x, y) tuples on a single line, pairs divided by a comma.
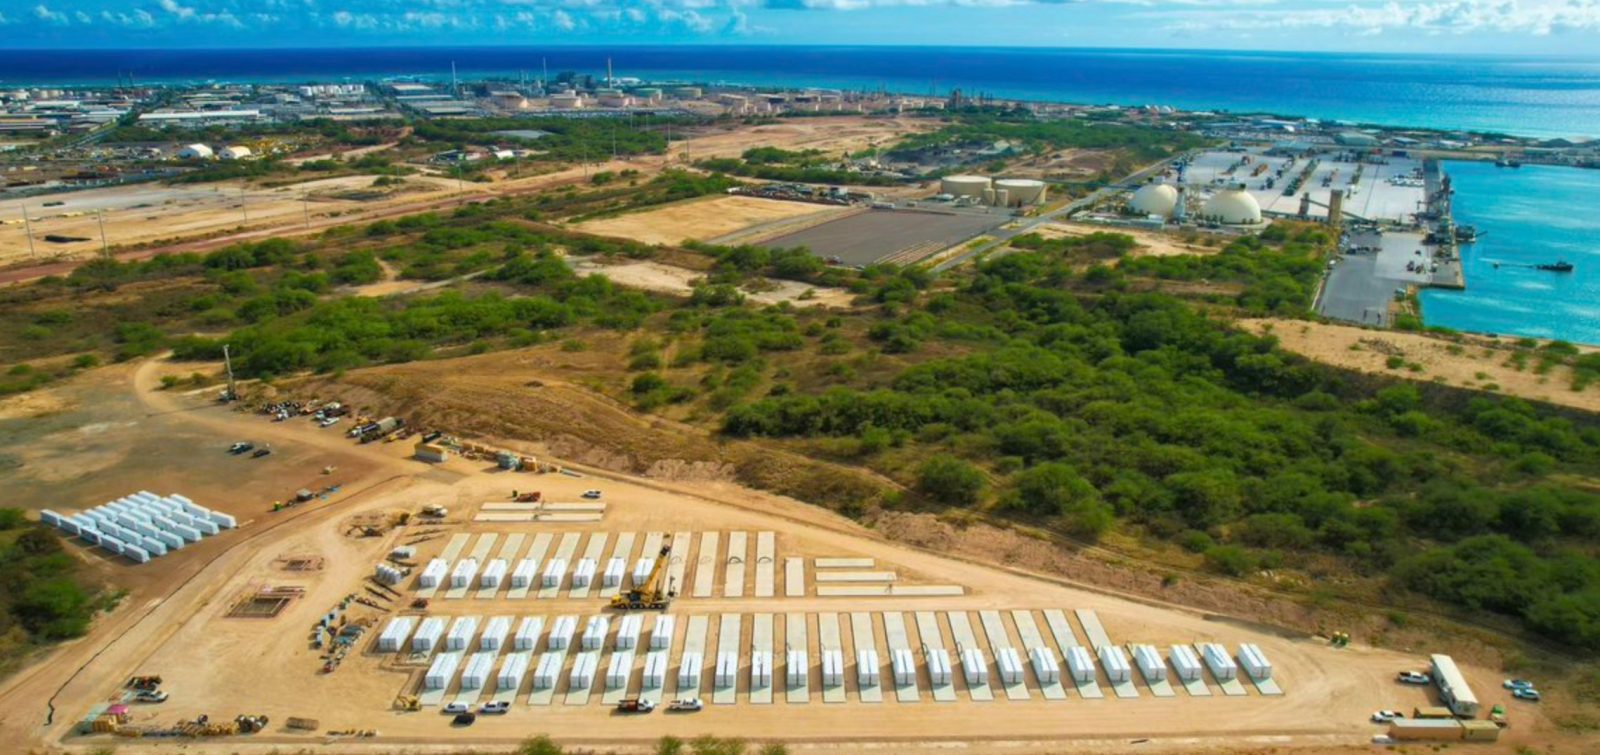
[(1530, 96), (1530, 215)]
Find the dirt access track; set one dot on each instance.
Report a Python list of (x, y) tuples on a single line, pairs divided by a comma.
[(175, 624)]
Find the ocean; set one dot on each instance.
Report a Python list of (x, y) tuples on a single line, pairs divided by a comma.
[(1525, 216), (1543, 97)]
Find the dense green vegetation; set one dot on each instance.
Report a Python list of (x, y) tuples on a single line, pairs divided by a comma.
[(804, 166), (1030, 135), (567, 139), (42, 598), (1278, 269)]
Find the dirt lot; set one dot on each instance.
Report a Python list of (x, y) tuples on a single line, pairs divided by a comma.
[(831, 135), (1476, 362), (175, 625), (701, 219), (668, 279), (1150, 244)]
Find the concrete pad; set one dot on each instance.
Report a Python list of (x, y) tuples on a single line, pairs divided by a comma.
[(794, 638), (677, 567), (733, 578), (926, 591), (694, 641), (728, 641), (1028, 631), (541, 546), (766, 553), (705, 565), (564, 551), (452, 551), (828, 639), (861, 633), (579, 695), (761, 642), (1267, 685), (856, 576), (961, 632), (932, 639), (1231, 687), (794, 577), (894, 631), (480, 553), (843, 563), (995, 629)]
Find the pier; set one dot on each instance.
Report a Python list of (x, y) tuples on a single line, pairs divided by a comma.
[(1440, 222)]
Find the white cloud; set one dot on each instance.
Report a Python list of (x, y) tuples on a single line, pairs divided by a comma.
[(1537, 17), (563, 20), (49, 16)]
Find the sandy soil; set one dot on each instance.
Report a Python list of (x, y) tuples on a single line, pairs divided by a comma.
[(1476, 362), (831, 135), (1151, 244), (667, 279), (175, 625), (700, 219)]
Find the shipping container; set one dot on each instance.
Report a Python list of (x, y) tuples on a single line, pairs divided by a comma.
[(1010, 665), (553, 571), (1045, 667), (1080, 664), (661, 633), (796, 668), (867, 668), (461, 632), (655, 669), (641, 571), (189, 534), (434, 573), (1219, 661), (594, 633), (832, 667), (1115, 662), (90, 536), (153, 546), (522, 576), (1254, 661), (512, 671), (727, 671), (938, 662), (440, 673), (689, 672), (494, 633), (224, 521), (974, 667), (1148, 659), (760, 669), (527, 636), (1184, 663), (544, 675), (561, 632), (583, 668), (615, 568), (583, 573), (403, 553), (619, 669), (137, 554), (395, 633), (466, 569), (628, 631), (493, 574), (904, 666), (479, 666), (1430, 729), (428, 634)]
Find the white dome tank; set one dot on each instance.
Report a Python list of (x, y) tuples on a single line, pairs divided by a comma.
[(1155, 199), (1021, 191), (964, 186), (1233, 206)]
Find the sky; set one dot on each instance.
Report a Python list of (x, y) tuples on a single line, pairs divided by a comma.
[(1559, 27)]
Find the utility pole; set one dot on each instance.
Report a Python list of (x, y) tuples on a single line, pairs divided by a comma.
[(105, 248), (27, 228), (244, 210), (227, 362)]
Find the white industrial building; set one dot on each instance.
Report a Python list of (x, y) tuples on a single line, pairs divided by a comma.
[(143, 525), (1155, 198), (234, 153), (196, 152), (965, 186), (1232, 206)]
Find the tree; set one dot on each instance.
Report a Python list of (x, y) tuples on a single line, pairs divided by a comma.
[(950, 480), (1055, 489), (540, 745)]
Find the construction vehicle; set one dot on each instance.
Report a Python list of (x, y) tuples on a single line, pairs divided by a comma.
[(656, 593), (149, 683), (435, 511), (529, 497), (635, 705), (250, 724), (408, 703), (380, 429)]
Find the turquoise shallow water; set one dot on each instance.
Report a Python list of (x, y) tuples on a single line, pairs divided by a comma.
[(1530, 215)]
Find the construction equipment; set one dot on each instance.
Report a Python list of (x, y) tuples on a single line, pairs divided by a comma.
[(435, 511), (150, 683), (408, 702), (656, 593), (249, 724), (529, 497)]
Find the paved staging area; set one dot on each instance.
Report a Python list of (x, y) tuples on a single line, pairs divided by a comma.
[(1373, 196)]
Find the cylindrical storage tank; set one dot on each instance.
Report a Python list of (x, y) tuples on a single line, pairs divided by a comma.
[(512, 671), (727, 671), (760, 669), (796, 668), (687, 93), (655, 669), (1020, 191), (522, 576), (583, 573), (965, 186), (689, 672), (1080, 664), (561, 632), (434, 573), (1010, 665), (493, 573), (1185, 663), (460, 633), (974, 667), (395, 633), (832, 667), (641, 571), (988, 197), (938, 661), (494, 633), (1148, 659), (1045, 668), (1233, 206), (553, 572), (566, 100), (594, 633), (1254, 661), (904, 666), (1217, 659), (464, 572), (1002, 198), (479, 666), (1155, 198), (527, 635), (628, 631), (661, 633), (612, 577), (1115, 663), (619, 669), (428, 634), (544, 675), (867, 668), (439, 674)]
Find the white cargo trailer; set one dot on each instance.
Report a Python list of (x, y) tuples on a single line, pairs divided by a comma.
[(544, 675), (479, 666), (512, 671), (727, 672), (522, 576), (612, 577), (938, 661), (553, 572), (434, 573), (904, 666), (493, 574), (619, 669), (760, 669), (464, 572), (1080, 664), (1254, 661), (1149, 662), (561, 632), (527, 635), (1010, 665), (583, 573), (655, 669), (832, 667)]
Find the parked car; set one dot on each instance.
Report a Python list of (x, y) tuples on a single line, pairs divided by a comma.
[(329, 421), (1414, 677), (686, 705), (495, 707), (635, 705), (260, 452), (149, 696), (1385, 716), (240, 447), (1526, 693), (457, 707), (593, 495), (465, 719), (1515, 684)]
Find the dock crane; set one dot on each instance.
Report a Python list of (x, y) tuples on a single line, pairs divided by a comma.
[(656, 593)]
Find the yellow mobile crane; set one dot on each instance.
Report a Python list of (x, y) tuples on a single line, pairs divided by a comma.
[(656, 593)]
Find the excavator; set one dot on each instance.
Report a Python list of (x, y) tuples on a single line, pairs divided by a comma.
[(656, 593)]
